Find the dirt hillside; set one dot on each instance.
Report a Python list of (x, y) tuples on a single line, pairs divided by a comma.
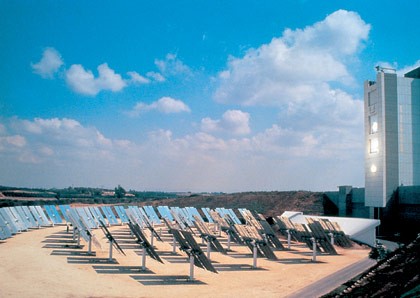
[(267, 203)]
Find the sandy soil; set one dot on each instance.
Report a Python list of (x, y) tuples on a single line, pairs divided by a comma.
[(44, 263)]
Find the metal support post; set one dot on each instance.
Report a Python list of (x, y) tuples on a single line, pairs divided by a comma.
[(74, 234), (313, 249), (152, 237), (78, 238), (173, 245), (110, 250), (208, 249), (288, 239), (332, 238), (191, 267), (143, 257), (255, 254), (90, 245), (228, 241)]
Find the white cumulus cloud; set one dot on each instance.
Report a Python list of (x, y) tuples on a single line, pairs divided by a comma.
[(84, 82), (155, 76), (288, 71), (15, 140), (171, 65), (59, 138), (166, 105), (138, 78), (49, 64), (58, 152), (233, 121), (40, 125)]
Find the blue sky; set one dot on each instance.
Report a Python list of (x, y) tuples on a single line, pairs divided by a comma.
[(193, 95)]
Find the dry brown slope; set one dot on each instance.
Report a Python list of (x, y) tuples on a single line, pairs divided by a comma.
[(267, 203)]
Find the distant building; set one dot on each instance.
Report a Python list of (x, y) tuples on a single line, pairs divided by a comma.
[(392, 135), (358, 229), (108, 193)]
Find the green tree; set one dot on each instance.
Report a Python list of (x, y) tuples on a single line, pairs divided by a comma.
[(119, 192)]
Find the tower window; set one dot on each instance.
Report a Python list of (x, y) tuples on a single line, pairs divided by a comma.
[(373, 145), (373, 124), (373, 168)]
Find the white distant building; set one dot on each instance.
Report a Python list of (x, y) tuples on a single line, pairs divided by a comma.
[(108, 193), (392, 135), (358, 229)]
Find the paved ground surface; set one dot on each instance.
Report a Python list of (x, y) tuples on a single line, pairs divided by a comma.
[(329, 283)]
